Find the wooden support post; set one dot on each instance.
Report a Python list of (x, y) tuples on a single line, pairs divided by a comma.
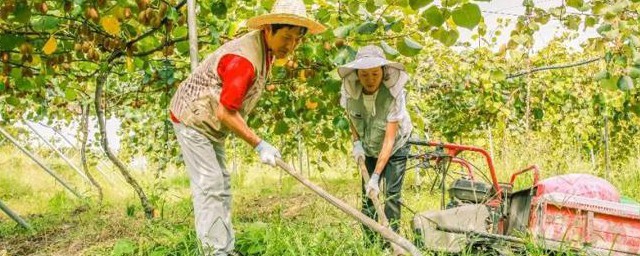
[(193, 34)]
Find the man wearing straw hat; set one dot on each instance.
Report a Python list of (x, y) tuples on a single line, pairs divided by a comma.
[(215, 100), (373, 95)]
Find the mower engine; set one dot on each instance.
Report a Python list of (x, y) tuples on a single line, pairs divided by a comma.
[(466, 191)]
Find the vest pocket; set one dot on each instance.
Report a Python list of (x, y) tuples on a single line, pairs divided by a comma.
[(200, 115), (375, 137), (355, 115), (197, 111), (378, 130)]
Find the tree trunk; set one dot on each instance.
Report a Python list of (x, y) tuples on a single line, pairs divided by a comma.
[(300, 153), (84, 130), (306, 151), (593, 159), (490, 134), (503, 153), (100, 80), (607, 157), (527, 113), (234, 169)]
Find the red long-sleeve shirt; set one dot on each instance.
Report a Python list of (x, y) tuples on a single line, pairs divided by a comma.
[(237, 74)]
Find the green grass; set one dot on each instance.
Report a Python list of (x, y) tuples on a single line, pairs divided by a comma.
[(273, 214), (12, 188)]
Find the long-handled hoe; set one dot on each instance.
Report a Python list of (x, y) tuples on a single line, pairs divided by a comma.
[(383, 230)]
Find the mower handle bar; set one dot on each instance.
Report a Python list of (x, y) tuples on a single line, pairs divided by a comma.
[(453, 150), (536, 174), (464, 163)]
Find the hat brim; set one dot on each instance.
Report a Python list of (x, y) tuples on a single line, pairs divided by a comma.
[(365, 63), (283, 18)]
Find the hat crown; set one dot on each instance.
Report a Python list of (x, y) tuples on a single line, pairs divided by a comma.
[(292, 12), (295, 7), (370, 51)]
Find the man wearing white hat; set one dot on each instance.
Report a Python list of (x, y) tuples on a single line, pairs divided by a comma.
[(374, 97), (216, 99)]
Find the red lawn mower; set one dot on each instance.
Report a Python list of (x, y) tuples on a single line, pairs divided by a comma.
[(564, 213)]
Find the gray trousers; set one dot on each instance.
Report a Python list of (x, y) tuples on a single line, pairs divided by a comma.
[(211, 190), (393, 174)]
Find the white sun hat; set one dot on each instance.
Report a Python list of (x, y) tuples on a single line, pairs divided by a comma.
[(369, 56), (291, 12)]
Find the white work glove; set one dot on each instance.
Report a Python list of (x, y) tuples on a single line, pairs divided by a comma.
[(358, 151), (267, 153), (372, 187)]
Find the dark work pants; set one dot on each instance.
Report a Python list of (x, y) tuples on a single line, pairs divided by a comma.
[(393, 176)]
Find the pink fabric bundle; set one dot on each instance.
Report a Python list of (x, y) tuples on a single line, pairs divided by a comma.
[(580, 185)]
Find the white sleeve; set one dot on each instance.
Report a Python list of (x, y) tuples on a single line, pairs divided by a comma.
[(398, 109), (396, 82)]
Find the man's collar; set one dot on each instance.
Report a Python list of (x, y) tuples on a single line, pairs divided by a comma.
[(268, 57), (264, 41)]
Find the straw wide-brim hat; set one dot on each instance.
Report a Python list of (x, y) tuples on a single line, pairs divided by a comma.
[(291, 12), (370, 56)]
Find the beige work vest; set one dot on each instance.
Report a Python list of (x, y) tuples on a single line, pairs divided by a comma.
[(195, 102)]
